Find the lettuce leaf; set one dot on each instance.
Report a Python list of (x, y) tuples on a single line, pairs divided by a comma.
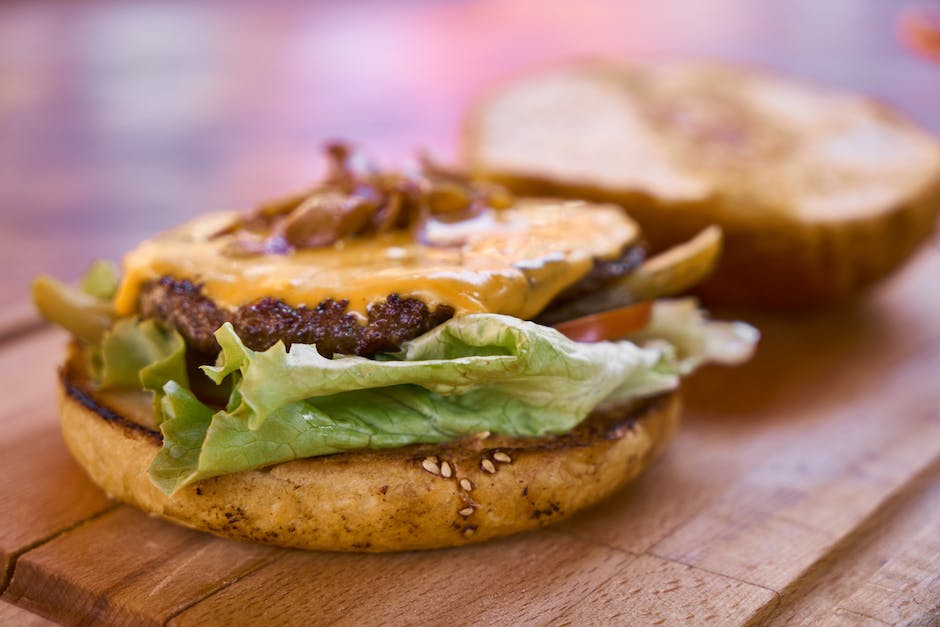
[(481, 372), (184, 430), (141, 355), (501, 358), (681, 324)]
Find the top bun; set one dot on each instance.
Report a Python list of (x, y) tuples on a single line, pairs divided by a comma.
[(818, 193)]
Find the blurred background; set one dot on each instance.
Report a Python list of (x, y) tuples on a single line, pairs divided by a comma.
[(120, 119)]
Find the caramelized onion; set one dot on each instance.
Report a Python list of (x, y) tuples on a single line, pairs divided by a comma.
[(357, 199)]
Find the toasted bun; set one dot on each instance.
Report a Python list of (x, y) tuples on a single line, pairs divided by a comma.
[(818, 193), (417, 497)]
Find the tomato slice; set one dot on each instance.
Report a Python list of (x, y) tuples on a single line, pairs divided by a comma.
[(608, 325)]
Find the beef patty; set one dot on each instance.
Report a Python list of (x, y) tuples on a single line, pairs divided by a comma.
[(181, 305)]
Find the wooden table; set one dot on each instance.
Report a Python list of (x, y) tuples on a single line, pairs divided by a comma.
[(804, 487)]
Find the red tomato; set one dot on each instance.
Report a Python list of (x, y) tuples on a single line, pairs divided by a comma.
[(608, 325)]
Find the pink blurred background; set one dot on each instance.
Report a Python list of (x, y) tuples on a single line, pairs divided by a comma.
[(121, 119)]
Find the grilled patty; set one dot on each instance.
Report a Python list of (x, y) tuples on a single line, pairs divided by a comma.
[(181, 305), (602, 274)]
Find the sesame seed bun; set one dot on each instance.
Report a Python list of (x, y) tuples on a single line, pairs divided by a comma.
[(416, 497)]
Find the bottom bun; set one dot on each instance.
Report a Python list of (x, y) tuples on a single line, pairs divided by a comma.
[(416, 497)]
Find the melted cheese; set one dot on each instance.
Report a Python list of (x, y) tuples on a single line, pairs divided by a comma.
[(512, 262)]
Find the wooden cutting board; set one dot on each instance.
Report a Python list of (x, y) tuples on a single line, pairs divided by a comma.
[(803, 487)]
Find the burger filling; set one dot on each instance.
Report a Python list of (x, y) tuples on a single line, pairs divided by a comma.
[(384, 310), (181, 305)]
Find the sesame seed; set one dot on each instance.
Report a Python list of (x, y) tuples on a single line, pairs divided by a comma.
[(502, 457), (488, 466), (466, 511), (469, 531), (446, 470), (466, 484), (430, 464)]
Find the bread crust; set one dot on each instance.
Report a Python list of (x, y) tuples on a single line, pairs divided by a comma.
[(809, 218), (417, 497), (773, 262)]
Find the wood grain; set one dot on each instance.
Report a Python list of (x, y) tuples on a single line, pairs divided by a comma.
[(653, 591), (768, 528), (18, 318), (18, 617), (827, 468), (42, 491), (529, 579), (27, 368), (907, 588), (130, 568), (903, 525)]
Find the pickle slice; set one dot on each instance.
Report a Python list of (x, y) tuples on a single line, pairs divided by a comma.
[(677, 269), (100, 280), (669, 273), (85, 316)]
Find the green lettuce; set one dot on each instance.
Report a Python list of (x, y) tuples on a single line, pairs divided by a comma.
[(141, 355), (184, 426), (478, 358), (680, 323), (481, 372), (475, 373)]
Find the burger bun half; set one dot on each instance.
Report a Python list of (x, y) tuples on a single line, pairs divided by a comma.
[(416, 497)]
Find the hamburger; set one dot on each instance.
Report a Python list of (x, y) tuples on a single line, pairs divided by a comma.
[(386, 361)]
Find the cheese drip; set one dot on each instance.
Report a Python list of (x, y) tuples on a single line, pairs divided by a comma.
[(512, 261)]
